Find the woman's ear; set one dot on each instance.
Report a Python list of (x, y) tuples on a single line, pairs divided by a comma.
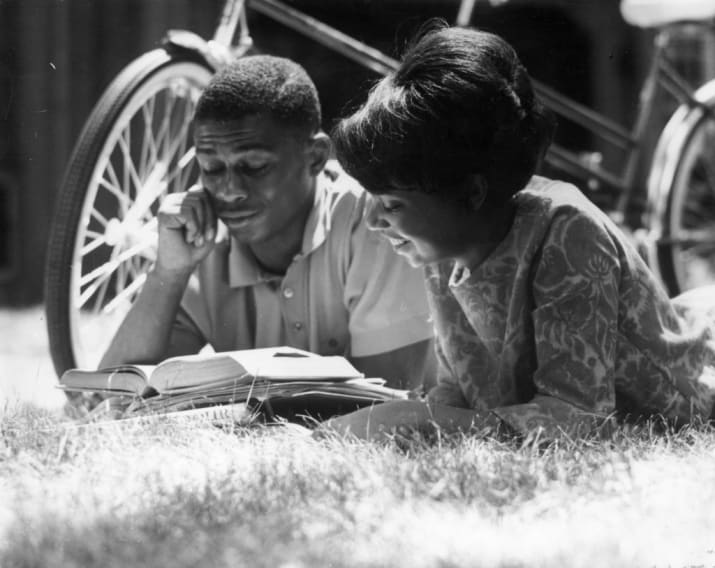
[(478, 188), (318, 152)]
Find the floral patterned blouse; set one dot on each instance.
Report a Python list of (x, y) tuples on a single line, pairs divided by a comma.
[(563, 325)]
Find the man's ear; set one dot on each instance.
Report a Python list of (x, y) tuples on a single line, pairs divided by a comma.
[(478, 188), (318, 152)]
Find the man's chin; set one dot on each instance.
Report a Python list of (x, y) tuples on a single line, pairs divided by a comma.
[(245, 235), (245, 229)]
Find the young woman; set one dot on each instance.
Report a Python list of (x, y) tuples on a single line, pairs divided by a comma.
[(546, 317)]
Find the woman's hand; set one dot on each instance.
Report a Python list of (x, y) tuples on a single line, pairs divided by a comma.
[(379, 422), (382, 421)]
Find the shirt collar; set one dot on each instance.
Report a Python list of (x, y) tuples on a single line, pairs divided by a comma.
[(243, 270), (460, 274)]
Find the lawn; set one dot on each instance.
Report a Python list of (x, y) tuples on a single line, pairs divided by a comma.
[(26, 371), (185, 492)]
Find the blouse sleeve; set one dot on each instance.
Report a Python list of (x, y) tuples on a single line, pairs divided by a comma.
[(575, 291), (447, 390)]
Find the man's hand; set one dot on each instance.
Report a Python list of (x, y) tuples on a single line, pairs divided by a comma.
[(187, 229)]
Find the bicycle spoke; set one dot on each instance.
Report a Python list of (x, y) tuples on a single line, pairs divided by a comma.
[(130, 170), (181, 170), (112, 265), (147, 112), (101, 294), (126, 294), (127, 157), (152, 136), (187, 157), (123, 200), (94, 244), (173, 149), (173, 143), (148, 192), (101, 281), (90, 234), (121, 186), (163, 144), (164, 132), (99, 217), (120, 275)]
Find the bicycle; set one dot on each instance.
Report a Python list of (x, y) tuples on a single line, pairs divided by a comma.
[(135, 148)]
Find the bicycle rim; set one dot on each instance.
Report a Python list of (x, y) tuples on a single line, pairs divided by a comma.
[(690, 236), (126, 160)]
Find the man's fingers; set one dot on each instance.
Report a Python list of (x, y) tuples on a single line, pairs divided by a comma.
[(204, 215), (210, 220), (192, 217), (195, 212), (191, 212)]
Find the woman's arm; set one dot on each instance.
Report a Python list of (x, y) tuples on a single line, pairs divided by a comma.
[(382, 421), (576, 295)]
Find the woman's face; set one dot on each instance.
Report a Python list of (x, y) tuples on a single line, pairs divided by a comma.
[(423, 227)]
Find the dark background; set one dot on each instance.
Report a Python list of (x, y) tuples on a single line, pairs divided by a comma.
[(57, 56)]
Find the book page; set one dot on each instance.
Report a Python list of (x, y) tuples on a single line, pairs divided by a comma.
[(275, 363), (316, 367)]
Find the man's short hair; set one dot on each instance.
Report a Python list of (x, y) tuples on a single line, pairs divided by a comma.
[(262, 84)]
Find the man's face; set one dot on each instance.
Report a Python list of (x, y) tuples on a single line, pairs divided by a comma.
[(260, 176)]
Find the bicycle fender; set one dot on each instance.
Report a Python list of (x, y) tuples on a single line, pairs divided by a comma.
[(183, 41), (667, 152)]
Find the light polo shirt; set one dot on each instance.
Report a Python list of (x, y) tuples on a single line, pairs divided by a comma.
[(346, 293)]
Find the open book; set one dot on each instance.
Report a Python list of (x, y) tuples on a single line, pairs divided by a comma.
[(282, 380)]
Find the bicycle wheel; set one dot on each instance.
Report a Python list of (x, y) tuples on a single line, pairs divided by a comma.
[(134, 149), (686, 248)]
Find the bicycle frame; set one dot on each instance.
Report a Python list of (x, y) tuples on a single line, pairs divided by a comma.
[(234, 17), (661, 75)]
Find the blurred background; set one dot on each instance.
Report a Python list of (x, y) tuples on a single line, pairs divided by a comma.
[(57, 57)]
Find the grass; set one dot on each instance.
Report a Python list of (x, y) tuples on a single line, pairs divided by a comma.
[(188, 493), (26, 372)]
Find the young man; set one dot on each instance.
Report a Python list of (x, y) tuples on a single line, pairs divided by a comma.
[(271, 248)]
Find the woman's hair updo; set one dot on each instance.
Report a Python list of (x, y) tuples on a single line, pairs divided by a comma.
[(460, 103)]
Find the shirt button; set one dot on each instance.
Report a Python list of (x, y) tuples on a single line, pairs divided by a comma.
[(288, 292), (298, 326)]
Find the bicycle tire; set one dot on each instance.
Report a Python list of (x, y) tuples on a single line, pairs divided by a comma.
[(134, 148), (686, 243)]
